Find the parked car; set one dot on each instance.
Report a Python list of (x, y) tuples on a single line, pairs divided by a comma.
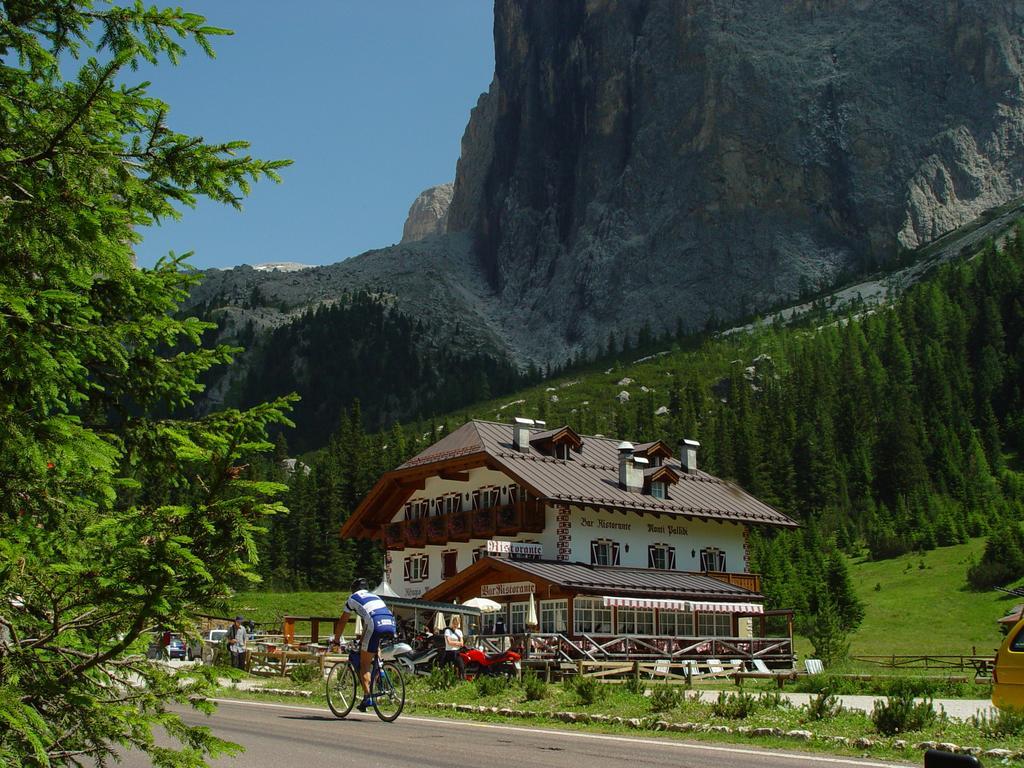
[(1008, 671), (176, 649), (215, 636)]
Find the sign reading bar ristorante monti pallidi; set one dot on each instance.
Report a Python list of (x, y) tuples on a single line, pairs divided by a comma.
[(511, 588)]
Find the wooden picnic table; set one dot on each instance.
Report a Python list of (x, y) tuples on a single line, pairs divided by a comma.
[(983, 665)]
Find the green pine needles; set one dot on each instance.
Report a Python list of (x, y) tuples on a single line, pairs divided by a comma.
[(118, 516)]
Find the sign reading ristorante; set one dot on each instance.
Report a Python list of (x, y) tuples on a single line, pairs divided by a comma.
[(522, 548), (511, 588)]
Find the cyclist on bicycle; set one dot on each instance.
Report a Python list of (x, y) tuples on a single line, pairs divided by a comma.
[(378, 624)]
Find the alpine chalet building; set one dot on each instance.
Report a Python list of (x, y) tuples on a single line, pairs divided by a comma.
[(611, 540)]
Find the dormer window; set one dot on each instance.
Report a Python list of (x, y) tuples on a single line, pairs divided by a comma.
[(560, 443), (656, 453), (657, 480)]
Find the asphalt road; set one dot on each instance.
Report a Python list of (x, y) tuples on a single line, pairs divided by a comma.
[(281, 736)]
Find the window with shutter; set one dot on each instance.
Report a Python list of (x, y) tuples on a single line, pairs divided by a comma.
[(604, 552), (424, 567), (407, 568), (449, 563), (661, 556), (712, 559)]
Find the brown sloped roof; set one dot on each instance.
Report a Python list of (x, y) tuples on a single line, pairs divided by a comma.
[(629, 581), (597, 579), (589, 478), (462, 442)]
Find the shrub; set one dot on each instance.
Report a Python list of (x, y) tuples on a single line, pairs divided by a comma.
[(634, 685), (665, 697), (824, 706), (773, 700), (735, 706), (827, 683), (305, 673), (534, 688), (587, 689), (442, 678), (900, 713), (1001, 723), (488, 685)]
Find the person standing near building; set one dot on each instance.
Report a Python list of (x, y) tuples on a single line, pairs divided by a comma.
[(237, 637), (453, 643)]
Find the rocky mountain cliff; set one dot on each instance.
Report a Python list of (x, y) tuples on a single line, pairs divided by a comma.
[(683, 159), (671, 161)]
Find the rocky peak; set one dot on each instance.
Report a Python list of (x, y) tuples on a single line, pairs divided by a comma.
[(428, 214)]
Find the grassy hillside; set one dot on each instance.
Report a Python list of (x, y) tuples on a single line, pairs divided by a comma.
[(912, 609)]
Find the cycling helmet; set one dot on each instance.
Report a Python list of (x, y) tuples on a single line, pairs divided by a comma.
[(359, 584)]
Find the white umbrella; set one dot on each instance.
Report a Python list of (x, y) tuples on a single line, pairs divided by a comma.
[(485, 604), (439, 622), (531, 614), (359, 626)]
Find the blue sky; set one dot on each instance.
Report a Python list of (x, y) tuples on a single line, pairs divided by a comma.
[(370, 99)]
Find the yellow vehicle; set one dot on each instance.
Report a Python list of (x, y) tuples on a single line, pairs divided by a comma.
[(1008, 672)]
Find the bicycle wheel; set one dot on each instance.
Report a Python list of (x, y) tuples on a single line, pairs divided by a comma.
[(341, 688), (388, 692)]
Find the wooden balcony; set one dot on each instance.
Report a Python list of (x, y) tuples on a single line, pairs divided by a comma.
[(459, 526), (507, 520), (483, 522), (416, 533), (751, 581), (437, 529), (394, 535)]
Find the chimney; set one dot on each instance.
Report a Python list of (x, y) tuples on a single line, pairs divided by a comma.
[(521, 434), (631, 474), (688, 455)]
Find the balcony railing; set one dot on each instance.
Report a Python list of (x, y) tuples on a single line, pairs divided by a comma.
[(751, 581), (526, 516)]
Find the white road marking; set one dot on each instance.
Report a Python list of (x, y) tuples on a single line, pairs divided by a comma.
[(594, 736)]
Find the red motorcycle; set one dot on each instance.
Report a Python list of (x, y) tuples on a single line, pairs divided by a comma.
[(479, 663)]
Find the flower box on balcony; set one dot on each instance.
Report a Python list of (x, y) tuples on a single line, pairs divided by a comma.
[(483, 523), (459, 526), (509, 519), (437, 530), (415, 533)]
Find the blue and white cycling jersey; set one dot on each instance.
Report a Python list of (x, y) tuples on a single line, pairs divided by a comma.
[(372, 610)]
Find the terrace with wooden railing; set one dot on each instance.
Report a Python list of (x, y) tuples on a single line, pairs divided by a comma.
[(524, 516), (776, 652)]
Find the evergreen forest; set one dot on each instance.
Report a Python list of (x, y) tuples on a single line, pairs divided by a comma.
[(359, 348)]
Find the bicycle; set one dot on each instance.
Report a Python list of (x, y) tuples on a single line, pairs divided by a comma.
[(387, 687)]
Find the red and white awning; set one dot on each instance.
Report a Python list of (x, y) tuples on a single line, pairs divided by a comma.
[(647, 602), (681, 605), (704, 607)]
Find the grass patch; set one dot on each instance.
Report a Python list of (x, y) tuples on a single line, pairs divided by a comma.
[(926, 610)]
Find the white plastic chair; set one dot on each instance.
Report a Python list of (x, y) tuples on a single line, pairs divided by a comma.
[(813, 666)]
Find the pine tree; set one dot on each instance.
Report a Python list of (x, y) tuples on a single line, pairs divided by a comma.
[(117, 514)]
